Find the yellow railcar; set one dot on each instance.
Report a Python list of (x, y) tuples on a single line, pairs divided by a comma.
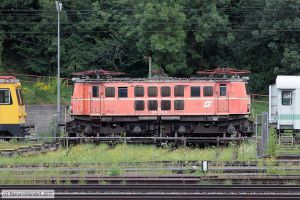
[(12, 108)]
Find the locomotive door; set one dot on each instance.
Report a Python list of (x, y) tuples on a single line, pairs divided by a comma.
[(286, 108), (95, 100), (223, 98)]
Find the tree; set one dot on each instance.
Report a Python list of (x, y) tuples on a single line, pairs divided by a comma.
[(270, 44), (161, 34), (209, 34)]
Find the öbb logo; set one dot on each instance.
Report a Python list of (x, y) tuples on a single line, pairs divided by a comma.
[(207, 104)]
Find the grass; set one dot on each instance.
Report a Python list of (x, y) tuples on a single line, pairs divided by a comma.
[(89, 153), (13, 144), (260, 105)]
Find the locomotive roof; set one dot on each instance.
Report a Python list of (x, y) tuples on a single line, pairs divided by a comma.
[(204, 79), (8, 79), (287, 82)]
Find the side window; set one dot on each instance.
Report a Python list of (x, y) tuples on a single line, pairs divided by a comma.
[(5, 98), (286, 98), (208, 91), (179, 91), (152, 91), (139, 91), (19, 96), (122, 92), (165, 91), (223, 90), (165, 105), (95, 91), (109, 92), (152, 105), (178, 105), (195, 91), (139, 105)]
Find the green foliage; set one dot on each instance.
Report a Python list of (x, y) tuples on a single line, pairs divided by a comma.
[(1, 47), (161, 34), (41, 89), (44, 92), (180, 36)]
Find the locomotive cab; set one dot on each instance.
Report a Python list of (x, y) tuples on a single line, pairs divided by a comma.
[(12, 108)]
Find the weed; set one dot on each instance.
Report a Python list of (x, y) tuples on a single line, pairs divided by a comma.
[(114, 171), (87, 153), (272, 145), (227, 182)]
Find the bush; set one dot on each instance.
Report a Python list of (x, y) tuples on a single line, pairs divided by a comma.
[(42, 89)]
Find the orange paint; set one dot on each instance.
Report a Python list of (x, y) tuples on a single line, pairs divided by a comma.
[(235, 102)]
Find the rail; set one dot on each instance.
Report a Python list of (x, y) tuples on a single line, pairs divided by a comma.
[(160, 191)]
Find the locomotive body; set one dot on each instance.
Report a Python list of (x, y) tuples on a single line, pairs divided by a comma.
[(284, 108), (12, 108), (199, 107)]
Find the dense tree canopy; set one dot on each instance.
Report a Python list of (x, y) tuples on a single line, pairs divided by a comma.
[(181, 36)]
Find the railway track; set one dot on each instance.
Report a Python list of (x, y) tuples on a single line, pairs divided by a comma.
[(238, 172), (189, 169), (216, 179), (277, 162), (289, 157), (163, 191), (29, 150)]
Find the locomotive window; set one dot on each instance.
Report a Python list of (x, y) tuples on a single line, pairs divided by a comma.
[(152, 105), (5, 97), (208, 91), (223, 91), (179, 91), (195, 91), (139, 91), (95, 91), (179, 105), (165, 91), (152, 91), (19, 96), (165, 105), (286, 98), (122, 92), (139, 105), (109, 92)]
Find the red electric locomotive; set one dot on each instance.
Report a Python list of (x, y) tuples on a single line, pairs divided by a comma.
[(162, 107)]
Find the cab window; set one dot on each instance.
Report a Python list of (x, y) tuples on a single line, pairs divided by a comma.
[(5, 98), (286, 98), (95, 91), (223, 90)]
